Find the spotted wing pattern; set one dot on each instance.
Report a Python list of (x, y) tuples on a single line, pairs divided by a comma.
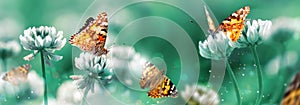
[(160, 85), (17, 75), (232, 25), (292, 94), (92, 36)]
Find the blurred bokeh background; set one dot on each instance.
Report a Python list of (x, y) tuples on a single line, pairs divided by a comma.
[(279, 54)]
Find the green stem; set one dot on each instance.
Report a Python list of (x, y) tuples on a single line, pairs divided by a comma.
[(45, 80), (259, 74), (4, 62), (83, 101), (235, 83)]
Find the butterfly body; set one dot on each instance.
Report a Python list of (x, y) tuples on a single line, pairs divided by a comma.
[(160, 85), (17, 75), (92, 36), (232, 26)]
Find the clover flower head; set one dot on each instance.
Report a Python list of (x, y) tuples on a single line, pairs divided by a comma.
[(94, 69), (9, 49), (42, 39), (216, 46), (254, 33), (200, 95)]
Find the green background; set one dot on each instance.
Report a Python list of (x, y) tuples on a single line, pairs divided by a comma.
[(69, 15)]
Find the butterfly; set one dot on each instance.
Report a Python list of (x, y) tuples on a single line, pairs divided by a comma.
[(232, 25), (160, 85), (292, 94), (17, 75), (92, 36)]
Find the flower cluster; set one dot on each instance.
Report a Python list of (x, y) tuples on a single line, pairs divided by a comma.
[(93, 69), (200, 95), (253, 34), (215, 47), (43, 39), (9, 49)]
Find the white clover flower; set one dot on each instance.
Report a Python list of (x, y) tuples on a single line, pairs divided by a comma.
[(43, 39), (94, 70), (253, 34), (9, 49), (215, 47), (200, 95)]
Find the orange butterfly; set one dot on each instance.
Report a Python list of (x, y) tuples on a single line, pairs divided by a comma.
[(232, 25), (292, 94), (17, 75), (160, 85), (92, 36)]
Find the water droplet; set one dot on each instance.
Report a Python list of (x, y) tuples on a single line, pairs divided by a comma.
[(285, 84), (209, 71), (243, 74), (18, 96), (257, 91), (254, 65), (244, 68), (222, 99), (31, 92), (221, 94), (263, 96), (157, 101), (28, 97), (214, 76)]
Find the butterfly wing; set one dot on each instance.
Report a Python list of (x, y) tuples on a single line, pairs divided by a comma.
[(292, 94), (211, 24), (151, 76), (234, 24), (160, 85), (17, 75), (165, 89), (92, 36)]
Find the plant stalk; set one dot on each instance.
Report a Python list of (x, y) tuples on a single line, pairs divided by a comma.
[(4, 64), (235, 83), (45, 79), (259, 74), (83, 101)]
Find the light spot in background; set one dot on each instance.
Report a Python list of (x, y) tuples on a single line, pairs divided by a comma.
[(127, 65), (10, 27), (36, 83), (284, 23), (290, 58), (68, 23), (273, 66)]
